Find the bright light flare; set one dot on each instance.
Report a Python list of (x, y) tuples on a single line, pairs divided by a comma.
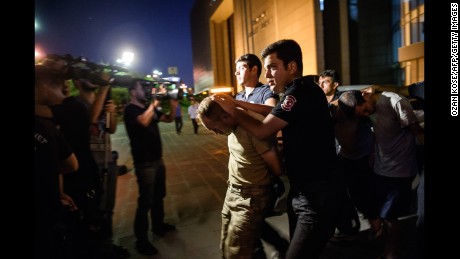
[(221, 90), (39, 55), (127, 57)]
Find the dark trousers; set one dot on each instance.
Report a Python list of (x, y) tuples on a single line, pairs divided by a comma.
[(313, 216), (152, 189), (195, 126), (357, 174), (357, 178), (52, 241), (417, 242), (109, 176), (179, 124)]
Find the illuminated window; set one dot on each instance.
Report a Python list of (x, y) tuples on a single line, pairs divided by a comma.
[(412, 21)]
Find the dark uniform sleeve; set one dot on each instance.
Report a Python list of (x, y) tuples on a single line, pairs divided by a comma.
[(60, 143), (287, 109), (64, 149)]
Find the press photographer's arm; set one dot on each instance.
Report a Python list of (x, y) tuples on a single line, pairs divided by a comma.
[(103, 100), (162, 91), (171, 116), (146, 118), (138, 98)]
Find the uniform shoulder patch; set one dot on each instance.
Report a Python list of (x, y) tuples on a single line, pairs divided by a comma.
[(288, 103)]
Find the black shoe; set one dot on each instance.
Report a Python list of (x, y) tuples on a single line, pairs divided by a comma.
[(161, 231), (145, 248)]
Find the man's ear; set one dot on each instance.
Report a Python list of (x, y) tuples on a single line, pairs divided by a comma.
[(254, 69), (292, 67), (336, 84)]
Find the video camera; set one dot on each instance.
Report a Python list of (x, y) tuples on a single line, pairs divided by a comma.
[(162, 90), (82, 69)]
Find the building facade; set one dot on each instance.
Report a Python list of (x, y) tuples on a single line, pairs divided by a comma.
[(366, 41), (412, 49)]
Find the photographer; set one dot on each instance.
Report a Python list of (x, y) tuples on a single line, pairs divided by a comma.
[(142, 127), (53, 157), (84, 186), (103, 123)]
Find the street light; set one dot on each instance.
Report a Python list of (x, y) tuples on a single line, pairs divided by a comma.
[(126, 59), (157, 73)]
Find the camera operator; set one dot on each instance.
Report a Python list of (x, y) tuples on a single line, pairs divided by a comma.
[(85, 186), (53, 157), (100, 106), (141, 123)]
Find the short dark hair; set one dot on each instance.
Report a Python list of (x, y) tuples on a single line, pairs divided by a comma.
[(252, 60), (287, 51), (331, 73), (349, 100), (210, 109)]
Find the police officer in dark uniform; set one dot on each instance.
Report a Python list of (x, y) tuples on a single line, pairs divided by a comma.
[(309, 149)]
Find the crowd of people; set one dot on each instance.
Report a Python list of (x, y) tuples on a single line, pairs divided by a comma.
[(346, 155), (85, 189)]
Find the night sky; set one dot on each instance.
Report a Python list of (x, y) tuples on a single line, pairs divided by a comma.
[(156, 31)]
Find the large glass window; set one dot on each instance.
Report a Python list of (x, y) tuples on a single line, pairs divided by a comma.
[(412, 19)]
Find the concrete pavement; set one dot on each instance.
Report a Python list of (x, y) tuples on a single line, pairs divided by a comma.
[(196, 172)]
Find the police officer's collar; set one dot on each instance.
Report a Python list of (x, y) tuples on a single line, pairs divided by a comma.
[(305, 79), (290, 84)]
